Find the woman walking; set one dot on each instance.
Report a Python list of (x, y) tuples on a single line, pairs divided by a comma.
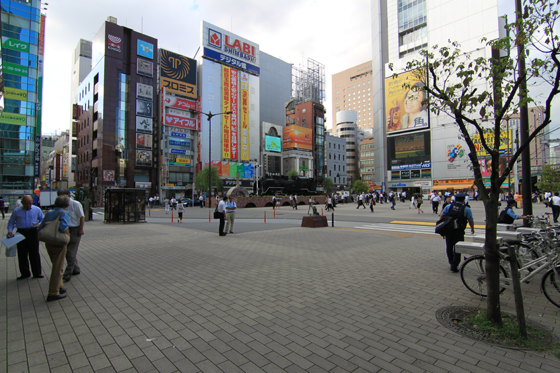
[(419, 204)]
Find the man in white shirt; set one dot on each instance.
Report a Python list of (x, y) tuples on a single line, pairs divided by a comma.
[(435, 203), (76, 229), (18, 203), (231, 206), (222, 211), (201, 199), (555, 202)]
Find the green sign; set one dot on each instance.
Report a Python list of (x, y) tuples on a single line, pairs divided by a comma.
[(241, 169), (11, 118), (12, 68), (15, 44), (233, 169)]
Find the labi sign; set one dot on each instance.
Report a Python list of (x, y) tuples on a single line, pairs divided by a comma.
[(15, 44)]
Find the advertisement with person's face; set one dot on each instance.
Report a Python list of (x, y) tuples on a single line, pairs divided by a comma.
[(406, 107), (486, 166)]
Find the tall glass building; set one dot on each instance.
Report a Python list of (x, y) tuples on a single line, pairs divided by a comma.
[(23, 31)]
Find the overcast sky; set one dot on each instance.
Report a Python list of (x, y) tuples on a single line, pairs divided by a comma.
[(339, 36)]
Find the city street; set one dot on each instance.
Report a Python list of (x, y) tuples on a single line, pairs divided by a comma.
[(168, 297)]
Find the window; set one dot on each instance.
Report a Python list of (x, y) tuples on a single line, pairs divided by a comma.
[(329, 157), (330, 173), (343, 169)]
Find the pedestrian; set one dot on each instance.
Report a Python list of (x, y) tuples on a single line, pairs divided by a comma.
[(507, 216), (19, 202), (274, 202), (2, 207), (56, 252), (201, 199), (221, 209), (445, 203), (555, 203), (173, 203), (231, 207), (329, 203), (371, 204), (419, 204), (26, 219), (392, 200), (412, 202), (295, 201), (435, 203), (180, 210), (361, 201), (462, 214), (335, 199), (166, 203), (292, 201), (76, 230), (151, 200)]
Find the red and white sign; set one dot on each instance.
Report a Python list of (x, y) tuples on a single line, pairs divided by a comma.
[(114, 43), (179, 103), (175, 121), (179, 113)]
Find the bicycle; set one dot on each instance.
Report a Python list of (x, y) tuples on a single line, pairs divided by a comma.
[(473, 273)]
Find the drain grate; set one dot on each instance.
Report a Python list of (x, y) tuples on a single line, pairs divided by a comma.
[(455, 319)]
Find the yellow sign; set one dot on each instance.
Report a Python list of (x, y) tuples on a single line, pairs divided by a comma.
[(226, 106), (406, 108), (183, 160), (10, 118), (15, 94), (179, 87), (505, 143), (244, 121)]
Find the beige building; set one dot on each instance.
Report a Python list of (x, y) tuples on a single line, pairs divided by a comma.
[(351, 90)]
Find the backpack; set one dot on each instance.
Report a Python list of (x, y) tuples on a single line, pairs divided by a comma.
[(504, 217), (454, 220)]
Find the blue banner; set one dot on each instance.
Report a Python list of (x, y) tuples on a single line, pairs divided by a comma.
[(412, 166), (177, 151), (180, 143), (227, 60), (248, 170), (182, 135)]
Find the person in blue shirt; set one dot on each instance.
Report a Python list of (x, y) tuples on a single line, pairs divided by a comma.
[(231, 206), (509, 210), (454, 210), (26, 219), (57, 253)]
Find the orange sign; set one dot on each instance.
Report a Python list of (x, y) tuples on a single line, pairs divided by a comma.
[(297, 137)]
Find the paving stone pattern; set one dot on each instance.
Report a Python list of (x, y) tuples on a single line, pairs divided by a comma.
[(164, 298)]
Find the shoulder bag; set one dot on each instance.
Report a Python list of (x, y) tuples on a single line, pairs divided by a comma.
[(52, 235), (216, 213)]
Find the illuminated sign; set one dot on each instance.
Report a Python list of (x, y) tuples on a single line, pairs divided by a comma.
[(144, 124), (244, 116), (145, 49), (179, 103), (143, 158), (143, 140), (15, 94), (144, 108), (273, 144), (297, 137), (114, 43), (178, 73), (12, 68), (15, 44), (175, 121), (180, 143)]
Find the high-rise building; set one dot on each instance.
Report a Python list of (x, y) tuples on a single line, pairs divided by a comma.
[(116, 134), (346, 128), (415, 150), (23, 41), (367, 161), (351, 90)]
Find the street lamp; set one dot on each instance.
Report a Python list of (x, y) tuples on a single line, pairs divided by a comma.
[(209, 115)]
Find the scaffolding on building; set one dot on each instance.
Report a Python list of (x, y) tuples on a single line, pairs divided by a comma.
[(308, 82)]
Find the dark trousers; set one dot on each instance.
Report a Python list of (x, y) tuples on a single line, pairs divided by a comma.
[(72, 267), (555, 212), (435, 206), (28, 253), (453, 257), (222, 223)]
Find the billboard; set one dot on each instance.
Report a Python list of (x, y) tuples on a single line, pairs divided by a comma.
[(181, 122), (272, 143), (108, 175), (144, 108), (405, 110), (144, 91), (229, 122), (409, 151), (15, 94), (244, 116), (297, 137), (486, 166), (144, 67), (505, 143), (178, 103), (144, 124), (178, 73), (230, 49), (143, 140), (143, 158), (145, 49)]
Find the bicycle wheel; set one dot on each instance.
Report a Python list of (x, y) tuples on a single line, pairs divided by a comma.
[(551, 286), (473, 275)]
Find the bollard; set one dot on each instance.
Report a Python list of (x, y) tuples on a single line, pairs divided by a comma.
[(265, 217), (322, 212), (209, 221), (274, 214), (149, 212), (333, 219), (172, 215)]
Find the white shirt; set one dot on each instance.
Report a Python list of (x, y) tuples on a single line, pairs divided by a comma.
[(361, 197), (76, 212), (200, 198), (436, 199), (18, 203), (556, 201), (221, 206)]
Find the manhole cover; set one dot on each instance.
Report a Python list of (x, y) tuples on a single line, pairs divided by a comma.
[(455, 318)]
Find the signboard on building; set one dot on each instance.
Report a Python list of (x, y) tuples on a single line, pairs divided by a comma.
[(230, 49), (230, 87), (144, 91), (175, 121), (15, 94), (405, 106), (505, 143), (144, 108), (145, 49), (178, 73), (144, 124), (272, 143), (14, 44), (143, 140), (244, 116), (179, 103), (11, 118), (143, 158), (114, 43), (296, 137), (144, 67)]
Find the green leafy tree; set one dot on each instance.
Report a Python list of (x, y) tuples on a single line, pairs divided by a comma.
[(478, 92), (201, 182), (359, 187), (293, 173), (328, 184), (550, 180)]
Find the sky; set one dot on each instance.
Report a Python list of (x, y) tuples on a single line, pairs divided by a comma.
[(338, 36)]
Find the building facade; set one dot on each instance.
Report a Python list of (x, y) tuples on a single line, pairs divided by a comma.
[(367, 161), (23, 37), (335, 156), (351, 90), (117, 100), (347, 129)]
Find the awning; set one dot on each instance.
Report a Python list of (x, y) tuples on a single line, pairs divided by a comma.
[(452, 186)]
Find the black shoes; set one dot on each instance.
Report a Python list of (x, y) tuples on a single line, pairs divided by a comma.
[(40, 276), (62, 291), (231, 232), (223, 234), (454, 269), (51, 298), (23, 277), (66, 278)]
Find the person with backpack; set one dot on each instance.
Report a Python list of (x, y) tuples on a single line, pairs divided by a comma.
[(507, 216), (462, 215)]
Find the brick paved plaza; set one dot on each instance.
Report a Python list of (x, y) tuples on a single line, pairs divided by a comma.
[(166, 298)]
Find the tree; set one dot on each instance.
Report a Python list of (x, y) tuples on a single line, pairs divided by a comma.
[(359, 187), (293, 173), (328, 184), (201, 182), (456, 80), (550, 180)]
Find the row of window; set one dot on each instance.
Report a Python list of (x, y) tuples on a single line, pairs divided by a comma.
[(330, 143), (366, 146), (367, 154), (338, 156), (338, 180), (24, 23)]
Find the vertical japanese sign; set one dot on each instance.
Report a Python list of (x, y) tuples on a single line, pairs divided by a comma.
[(244, 116), (41, 50), (234, 118), (225, 168), (226, 106)]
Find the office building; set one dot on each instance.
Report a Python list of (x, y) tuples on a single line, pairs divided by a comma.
[(346, 128), (117, 143), (351, 90), (367, 161), (335, 157), (425, 152), (23, 42)]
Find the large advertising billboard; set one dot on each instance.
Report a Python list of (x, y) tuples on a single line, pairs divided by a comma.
[(230, 49), (272, 144), (409, 151), (178, 73), (244, 116), (297, 137), (230, 128), (405, 107), (505, 143)]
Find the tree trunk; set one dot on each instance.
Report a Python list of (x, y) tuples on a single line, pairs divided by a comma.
[(491, 252)]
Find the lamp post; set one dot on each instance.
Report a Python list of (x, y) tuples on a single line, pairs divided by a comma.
[(209, 115)]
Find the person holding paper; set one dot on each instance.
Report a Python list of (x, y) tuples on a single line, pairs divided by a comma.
[(26, 219)]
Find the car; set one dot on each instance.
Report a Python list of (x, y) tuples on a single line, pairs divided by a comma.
[(187, 202)]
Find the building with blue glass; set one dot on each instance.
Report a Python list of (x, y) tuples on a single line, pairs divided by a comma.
[(22, 71)]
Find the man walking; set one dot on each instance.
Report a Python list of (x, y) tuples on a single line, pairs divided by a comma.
[(231, 206), (76, 230), (435, 203), (201, 199), (26, 219), (462, 214), (222, 213), (2, 208), (555, 203), (295, 201)]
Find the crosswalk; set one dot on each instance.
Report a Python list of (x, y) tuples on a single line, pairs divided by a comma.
[(400, 228)]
